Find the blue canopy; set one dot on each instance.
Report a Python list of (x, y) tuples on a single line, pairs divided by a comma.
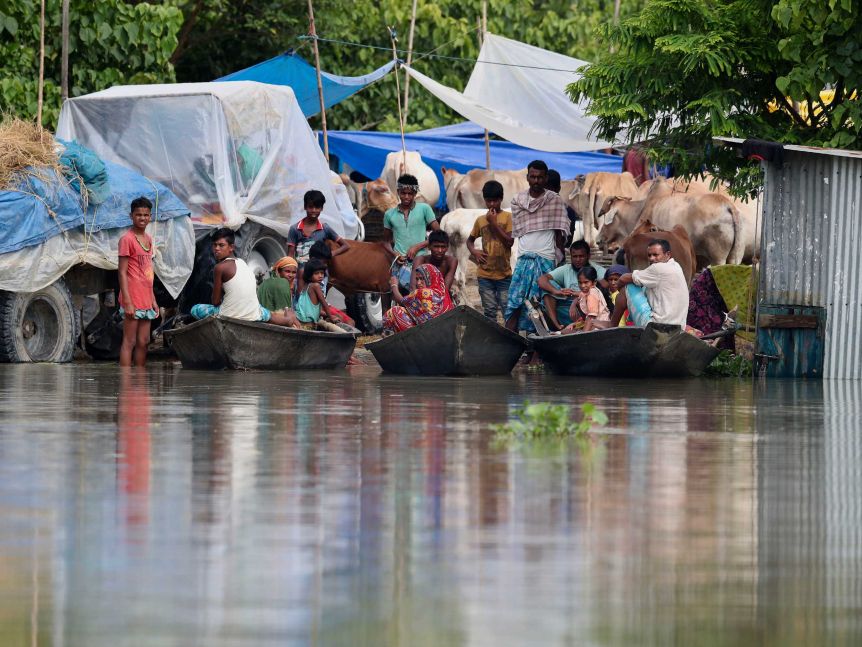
[(366, 152), (464, 129), (25, 219), (292, 70)]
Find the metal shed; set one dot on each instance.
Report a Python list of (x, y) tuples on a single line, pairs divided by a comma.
[(809, 310)]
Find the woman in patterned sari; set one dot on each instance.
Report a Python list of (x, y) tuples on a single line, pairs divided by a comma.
[(430, 299)]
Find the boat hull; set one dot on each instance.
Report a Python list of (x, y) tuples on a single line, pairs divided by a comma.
[(460, 342), (655, 351), (221, 342)]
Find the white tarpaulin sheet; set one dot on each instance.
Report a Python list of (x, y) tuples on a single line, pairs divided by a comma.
[(518, 92), (34, 268), (229, 151)]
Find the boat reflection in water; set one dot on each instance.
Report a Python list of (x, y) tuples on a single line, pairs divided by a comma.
[(185, 507)]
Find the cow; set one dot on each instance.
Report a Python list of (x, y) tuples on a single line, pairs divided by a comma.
[(362, 268), (590, 192), (711, 220), (635, 247), (429, 187), (464, 190)]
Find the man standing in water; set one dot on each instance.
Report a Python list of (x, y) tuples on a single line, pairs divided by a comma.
[(540, 224)]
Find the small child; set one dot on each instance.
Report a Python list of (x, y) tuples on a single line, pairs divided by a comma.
[(494, 259), (321, 252), (311, 304), (137, 300), (309, 230), (589, 311)]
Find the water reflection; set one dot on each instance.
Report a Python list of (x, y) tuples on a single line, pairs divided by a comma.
[(173, 507)]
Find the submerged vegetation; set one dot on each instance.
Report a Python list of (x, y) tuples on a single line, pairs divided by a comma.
[(729, 365), (543, 420)]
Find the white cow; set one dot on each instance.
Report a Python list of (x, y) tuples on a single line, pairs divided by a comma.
[(429, 187), (464, 190)]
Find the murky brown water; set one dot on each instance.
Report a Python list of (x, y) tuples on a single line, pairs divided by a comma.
[(352, 509)]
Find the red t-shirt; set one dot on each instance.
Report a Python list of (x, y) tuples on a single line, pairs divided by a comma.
[(140, 273)]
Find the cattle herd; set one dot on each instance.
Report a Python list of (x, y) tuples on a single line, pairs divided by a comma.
[(705, 225)]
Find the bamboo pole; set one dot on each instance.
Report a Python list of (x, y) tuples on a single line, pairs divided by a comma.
[(481, 41), (313, 33), (64, 55), (409, 60), (41, 66), (394, 40)]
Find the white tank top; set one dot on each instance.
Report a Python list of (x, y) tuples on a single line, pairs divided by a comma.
[(240, 294)]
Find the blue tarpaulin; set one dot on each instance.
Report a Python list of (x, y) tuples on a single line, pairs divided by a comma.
[(292, 70), (44, 207), (366, 152)]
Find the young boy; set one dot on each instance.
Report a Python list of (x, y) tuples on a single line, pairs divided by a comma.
[(309, 230), (137, 301), (235, 288), (494, 260), (438, 244)]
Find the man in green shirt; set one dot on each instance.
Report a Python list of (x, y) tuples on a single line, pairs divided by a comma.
[(405, 228)]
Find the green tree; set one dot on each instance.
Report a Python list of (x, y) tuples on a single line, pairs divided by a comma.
[(684, 71), (111, 42), (212, 45)]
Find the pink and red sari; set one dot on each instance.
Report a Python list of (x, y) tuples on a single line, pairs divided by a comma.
[(421, 305)]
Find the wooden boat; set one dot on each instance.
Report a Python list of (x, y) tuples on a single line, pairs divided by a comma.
[(222, 342), (658, 350), (460, 342)]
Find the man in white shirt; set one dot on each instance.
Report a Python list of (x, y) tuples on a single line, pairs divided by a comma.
[(658, 294)]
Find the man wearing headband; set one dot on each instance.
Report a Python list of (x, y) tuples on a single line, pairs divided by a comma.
[(405, 228)]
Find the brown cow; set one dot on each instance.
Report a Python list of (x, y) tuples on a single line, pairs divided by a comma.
[(635, 247), (362, 268)]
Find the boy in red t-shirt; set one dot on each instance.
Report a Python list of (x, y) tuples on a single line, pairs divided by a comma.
[(137, 301)]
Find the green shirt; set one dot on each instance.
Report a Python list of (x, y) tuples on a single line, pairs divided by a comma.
[(275, 294), (410, 231), (566, 276)]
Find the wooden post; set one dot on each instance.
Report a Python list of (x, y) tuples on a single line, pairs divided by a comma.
[(41, 66), (394, 40), (313, 33), (409, 60), (64, 55), (481, 41)]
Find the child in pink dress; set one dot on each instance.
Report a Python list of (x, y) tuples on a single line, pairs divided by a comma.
[(137, 301), (589, 310)]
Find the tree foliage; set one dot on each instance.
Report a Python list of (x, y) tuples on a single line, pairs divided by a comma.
[(262, 29), (111, 42), (684, 71)]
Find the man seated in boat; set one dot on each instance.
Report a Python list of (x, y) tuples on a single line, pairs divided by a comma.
[(438, 245), (235, 288), (658, 294), (561, 286)]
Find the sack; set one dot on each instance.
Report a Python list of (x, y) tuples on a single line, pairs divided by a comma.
[(403, 273)]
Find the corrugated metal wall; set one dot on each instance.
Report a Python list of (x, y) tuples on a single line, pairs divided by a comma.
[(812, 256)]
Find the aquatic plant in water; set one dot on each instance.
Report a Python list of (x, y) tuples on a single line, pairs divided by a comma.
[(543, 420), (726, 364)]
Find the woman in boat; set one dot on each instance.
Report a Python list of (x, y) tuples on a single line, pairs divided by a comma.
[(430, 299), (276, 292)]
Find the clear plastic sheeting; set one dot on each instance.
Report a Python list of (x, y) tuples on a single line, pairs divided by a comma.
[(230, 151), (518, 92), (34, 268)]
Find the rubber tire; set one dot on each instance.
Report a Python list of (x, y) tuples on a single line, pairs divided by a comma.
[(362, 312), (260, 247), (50, 317)]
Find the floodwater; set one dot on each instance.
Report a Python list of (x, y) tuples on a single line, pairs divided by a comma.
[(180, 508)]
